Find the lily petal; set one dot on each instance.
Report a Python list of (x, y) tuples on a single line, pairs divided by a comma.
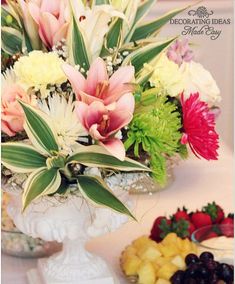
[(126, 103), (52, 7), (95, 133), (115, 147), (96, 74), (96, 110), (48, 26), (88, 99), (119, 83), (118, 119), (33, 9), (61, 33), (81, 111), (76, 79)]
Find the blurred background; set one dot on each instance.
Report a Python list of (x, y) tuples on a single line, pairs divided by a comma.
[(215, 55)]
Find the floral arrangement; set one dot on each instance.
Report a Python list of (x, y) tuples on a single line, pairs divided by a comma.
[(89, 84)]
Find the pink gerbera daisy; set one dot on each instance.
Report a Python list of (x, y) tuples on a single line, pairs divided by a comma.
[(199, 128)]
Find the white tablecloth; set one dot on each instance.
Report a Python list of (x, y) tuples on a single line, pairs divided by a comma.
[(196, 183)]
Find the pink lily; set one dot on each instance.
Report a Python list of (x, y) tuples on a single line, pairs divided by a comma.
[(98, 86), (103, 123), (52, 18)]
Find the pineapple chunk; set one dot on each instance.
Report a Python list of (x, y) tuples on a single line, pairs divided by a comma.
[(170, 239), (160, 261), (194, 247), (130, 250), (162, 281), (179, 262), (156, 266), (141, 242), (166, 271), (186, 245), (131, 265), (179, 243), (169, 250), (149, 253), (146, 273)]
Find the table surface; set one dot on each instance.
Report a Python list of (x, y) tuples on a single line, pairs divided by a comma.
[(196, 183)]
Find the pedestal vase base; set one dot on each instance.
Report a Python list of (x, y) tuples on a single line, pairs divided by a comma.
[(35, 276)]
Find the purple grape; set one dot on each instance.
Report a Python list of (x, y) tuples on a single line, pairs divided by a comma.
[(192, 270), (189, 281), (191, 258), (225, 272), (202, 281), (204, 272), (205, 256), (178, 277), (213, 278), (211, 264)]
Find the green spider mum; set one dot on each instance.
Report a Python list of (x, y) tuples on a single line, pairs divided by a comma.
[(155, 129)]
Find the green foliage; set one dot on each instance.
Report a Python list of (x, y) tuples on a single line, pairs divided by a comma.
[(155, 129), (49, 168)]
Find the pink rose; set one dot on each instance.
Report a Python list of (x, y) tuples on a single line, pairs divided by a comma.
[(12, 119)]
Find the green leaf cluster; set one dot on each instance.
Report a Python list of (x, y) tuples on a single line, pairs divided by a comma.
[(49, 169), (155, 129), (125, 34)]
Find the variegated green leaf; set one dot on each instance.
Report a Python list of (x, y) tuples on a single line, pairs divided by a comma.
[(153, 27), (7, 19), (39, 129), (21, 158), (40, 182), (11, 40), (79, 49), (97, 192), (114, 34), (142, 10), (146, 54), (94, 156)]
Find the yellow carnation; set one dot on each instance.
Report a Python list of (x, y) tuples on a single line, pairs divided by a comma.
[(40, 69), (167, 75)]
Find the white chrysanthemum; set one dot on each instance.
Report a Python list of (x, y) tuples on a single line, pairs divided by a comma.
[(166, 74), (39, 69), (65, 121), (8, 78)]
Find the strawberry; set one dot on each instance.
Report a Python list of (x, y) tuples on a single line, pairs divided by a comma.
[(227, 221), (191, 228), (215, 211), (228, 230), (181, 214), (201, 219), (183, 228), (161, 227)]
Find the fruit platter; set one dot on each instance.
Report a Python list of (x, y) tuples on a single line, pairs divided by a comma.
[(185, 248)]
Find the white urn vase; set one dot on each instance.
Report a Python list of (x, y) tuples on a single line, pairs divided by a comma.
[(73, 222)]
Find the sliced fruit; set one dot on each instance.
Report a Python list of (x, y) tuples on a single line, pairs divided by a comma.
[(171, 238), (140, 242), (131, 265), (162, 281), (166, 271), (179, 262), (146, 273), (160, 261), (170, 250), (130, 250), (149, 253)]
